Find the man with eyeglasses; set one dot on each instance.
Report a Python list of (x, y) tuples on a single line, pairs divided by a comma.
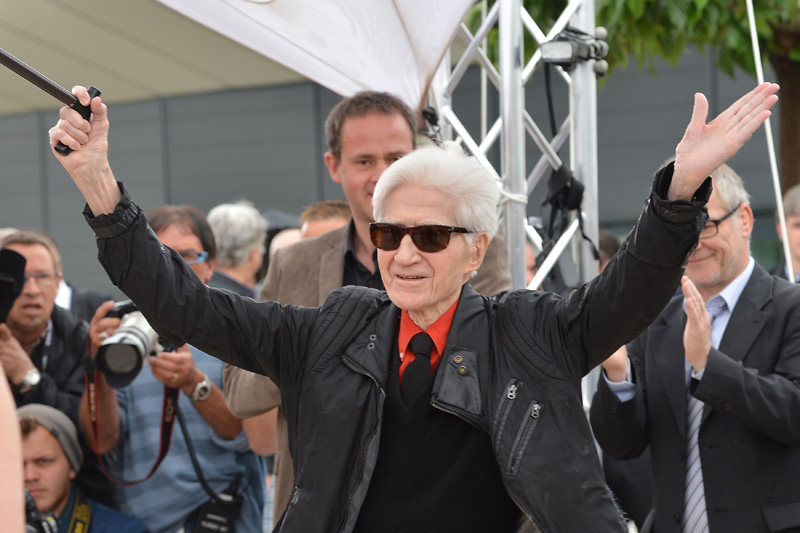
[(129, 419), (715, 393), (43, 347), (429, 407)]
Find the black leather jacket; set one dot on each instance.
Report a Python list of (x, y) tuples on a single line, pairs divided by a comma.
[(512, 366)]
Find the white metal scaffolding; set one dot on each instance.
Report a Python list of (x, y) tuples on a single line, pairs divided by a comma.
[(514, 122)]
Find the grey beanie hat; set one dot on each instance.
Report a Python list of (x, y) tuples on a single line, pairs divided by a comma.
[(59, 425)]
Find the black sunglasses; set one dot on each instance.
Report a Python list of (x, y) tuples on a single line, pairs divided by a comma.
[(427, 238)]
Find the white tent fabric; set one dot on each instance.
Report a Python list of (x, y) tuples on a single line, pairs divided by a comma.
[(344, 45)]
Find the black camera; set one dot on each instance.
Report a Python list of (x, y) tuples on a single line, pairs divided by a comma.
[(12, 279), (37, 521), (122, 355)]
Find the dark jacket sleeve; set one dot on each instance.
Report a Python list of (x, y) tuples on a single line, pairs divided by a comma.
[(642, 277), (621, 427), (257, 336), (573, 335)]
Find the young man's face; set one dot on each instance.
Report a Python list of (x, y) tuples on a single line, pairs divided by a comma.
[(46, 470), (369, 144)]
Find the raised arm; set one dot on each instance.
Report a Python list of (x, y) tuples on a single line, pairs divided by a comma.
[(704, 147), (88, 163)]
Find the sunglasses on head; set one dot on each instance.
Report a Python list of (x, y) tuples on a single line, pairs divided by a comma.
[(427, 238)]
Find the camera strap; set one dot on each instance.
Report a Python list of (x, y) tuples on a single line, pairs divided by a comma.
[(228, 498), (81, 514), (218, 514), (168, 411)]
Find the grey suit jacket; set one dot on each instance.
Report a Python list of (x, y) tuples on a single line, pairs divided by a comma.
[(750, 434), (304, 274)]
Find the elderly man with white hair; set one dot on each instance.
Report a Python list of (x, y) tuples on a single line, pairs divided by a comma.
[(428, 407)]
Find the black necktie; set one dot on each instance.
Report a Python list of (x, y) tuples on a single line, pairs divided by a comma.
[(418, 373)]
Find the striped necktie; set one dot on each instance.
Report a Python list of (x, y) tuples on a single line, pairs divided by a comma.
[(695, 517)]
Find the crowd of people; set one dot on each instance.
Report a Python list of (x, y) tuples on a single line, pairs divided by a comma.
[(388, 368)]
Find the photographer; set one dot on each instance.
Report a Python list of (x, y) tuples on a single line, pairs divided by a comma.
[(128, 420), (43, 347), (51, 458)]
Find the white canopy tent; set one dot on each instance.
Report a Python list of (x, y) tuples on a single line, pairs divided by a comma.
[(397, 46), (346, 46)]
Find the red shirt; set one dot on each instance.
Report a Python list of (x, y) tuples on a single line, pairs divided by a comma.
[(438, 332)]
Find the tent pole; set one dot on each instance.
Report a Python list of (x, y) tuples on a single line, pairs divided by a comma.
[(583, 141)]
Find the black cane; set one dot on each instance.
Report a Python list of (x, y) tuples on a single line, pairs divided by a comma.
[(50, 87)]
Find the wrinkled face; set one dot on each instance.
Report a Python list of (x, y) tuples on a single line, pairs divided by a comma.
[(719, 259), (46, 470), (33, 307), (181, 239), (369, 144), (793, 231), (426, 284)]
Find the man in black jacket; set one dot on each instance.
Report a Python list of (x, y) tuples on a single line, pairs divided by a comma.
[(734, 465), (43, 347), (478, 427)]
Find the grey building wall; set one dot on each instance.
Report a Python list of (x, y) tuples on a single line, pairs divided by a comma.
[(266, 145)]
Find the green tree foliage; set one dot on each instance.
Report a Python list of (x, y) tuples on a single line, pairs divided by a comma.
[(650, 29)]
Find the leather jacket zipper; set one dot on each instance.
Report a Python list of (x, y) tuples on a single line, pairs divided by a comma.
[(528, 516), (511, 394), (524, 436), (508, 400), (361, 469)]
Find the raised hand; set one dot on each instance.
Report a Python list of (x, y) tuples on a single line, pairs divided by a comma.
[(704, 147), (88, 163), (697, 333)]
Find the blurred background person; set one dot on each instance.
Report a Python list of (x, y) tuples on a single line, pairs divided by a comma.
[(324, 216), (51, 459), (240, 232), (791, 210), (129, 424), (43, 347)]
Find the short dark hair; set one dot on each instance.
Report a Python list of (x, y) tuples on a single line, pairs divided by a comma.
[(326, 210), (362, 104), (188, 216)]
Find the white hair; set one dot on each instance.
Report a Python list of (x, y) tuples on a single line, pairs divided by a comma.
[(237, 229), (448, 169)]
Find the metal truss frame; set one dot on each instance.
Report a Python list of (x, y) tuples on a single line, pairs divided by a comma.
[(514, 122)]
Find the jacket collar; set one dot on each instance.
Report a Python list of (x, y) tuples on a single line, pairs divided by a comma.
[(465, 358)]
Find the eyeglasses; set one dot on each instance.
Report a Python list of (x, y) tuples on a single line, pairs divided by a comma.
[(192, 258), (427, 238), (712, 226), (42, 279)]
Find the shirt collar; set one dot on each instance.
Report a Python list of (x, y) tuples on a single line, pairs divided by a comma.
[(734, 289), (438, 331)]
